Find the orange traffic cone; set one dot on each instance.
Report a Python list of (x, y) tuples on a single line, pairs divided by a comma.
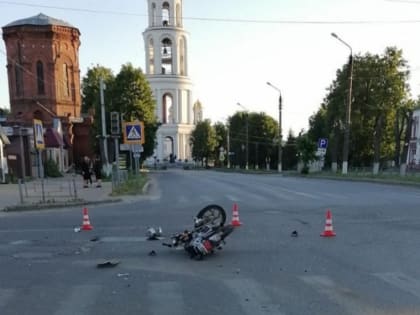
[(235, 216), (328, 231), (86, 222)]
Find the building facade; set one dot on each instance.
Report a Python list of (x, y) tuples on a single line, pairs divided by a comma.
[(44, 84), (166, 50), (413, 156)]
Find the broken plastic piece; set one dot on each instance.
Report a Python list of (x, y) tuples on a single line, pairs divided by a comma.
[(108, 263), (294, 234)]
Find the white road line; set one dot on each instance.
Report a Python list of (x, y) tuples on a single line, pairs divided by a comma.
[(299, 193), (5, 296), (165, 298), (232, 198), (252, 298), (351, 301), (401, 281), (206, 198), (79, 300), (122, 239)]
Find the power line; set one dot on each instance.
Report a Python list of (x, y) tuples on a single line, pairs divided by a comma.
[(226, 20)]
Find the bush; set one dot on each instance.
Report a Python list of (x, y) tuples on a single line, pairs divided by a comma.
[(51, 169)]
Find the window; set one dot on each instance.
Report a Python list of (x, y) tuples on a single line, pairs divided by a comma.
[(40, 77), (153, 14), (166, 56), (165, 14), (151, 57), (66, 81), (167, 109)]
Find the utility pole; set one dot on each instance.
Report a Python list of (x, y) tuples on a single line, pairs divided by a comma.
[(102, 87), (346, 143), (247, 134), (279, 166), (228, 146)]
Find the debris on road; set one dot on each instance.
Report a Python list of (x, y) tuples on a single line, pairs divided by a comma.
[(123, 275), (152, 253), (77, 229), (108, 264), (95, 239), (153, 234), (294, 234)]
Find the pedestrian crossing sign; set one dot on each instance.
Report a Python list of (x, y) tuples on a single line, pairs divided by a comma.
[(39, 135), (133, 132)]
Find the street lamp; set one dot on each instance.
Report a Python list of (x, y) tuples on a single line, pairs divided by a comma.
[(247, 133), (348, 108), (279, 166)]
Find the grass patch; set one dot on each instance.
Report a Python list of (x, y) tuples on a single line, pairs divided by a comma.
[(132, 186)]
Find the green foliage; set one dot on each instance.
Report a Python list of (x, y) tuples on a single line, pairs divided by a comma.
[(128, 93), (306, 149), (289, 157), (204, 141), (262, 139), (51, 169), (221, 138), (133, 186), (378, 110)]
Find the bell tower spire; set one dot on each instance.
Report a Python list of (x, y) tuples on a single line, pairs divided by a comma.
[(166, 46)]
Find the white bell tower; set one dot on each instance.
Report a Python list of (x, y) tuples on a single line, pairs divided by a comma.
[(166, 45)]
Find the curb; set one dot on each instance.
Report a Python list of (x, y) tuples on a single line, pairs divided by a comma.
[(40, 206)]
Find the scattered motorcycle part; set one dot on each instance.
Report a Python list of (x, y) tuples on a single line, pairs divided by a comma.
[(294, 234), (108, 264)]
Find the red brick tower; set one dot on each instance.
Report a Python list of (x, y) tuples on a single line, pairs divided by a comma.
[(43, 69)]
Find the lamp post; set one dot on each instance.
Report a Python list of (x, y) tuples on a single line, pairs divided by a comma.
[(348, 108), (247, 133), (279, 166)]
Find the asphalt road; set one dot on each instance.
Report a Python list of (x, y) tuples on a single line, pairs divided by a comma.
[(370, 267)]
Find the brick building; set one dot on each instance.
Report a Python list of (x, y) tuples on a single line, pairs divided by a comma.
[(44, 83)]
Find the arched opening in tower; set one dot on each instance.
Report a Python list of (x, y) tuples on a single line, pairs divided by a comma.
[(178, 15), (168, 148), (165, 14), (151, 57), (167, 109), (166, 56)]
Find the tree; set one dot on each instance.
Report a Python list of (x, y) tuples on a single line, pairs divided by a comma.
[(306, 151), (128, 93), (379, 93), (203, 141), (290, 152), (91, 98), (262, 138), (221, 138), (133, 98)]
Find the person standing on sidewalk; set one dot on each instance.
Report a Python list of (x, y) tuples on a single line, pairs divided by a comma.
[(97, 169), (86, 172)]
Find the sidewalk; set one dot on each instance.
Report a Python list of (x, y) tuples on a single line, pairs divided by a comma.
[(58, 192)]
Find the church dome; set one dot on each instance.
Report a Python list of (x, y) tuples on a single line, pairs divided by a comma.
[(39, 20)]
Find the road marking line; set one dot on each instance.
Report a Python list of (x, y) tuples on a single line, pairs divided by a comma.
[(122, 239), (252, 297), (232, 198), (300, 193), (79, 300), (401, 281), (182, 199), (165, 298)]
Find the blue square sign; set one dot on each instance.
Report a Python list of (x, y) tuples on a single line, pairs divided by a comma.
[(322, 143), (133, 132)]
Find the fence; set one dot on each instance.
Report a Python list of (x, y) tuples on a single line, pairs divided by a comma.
[(48, 191)]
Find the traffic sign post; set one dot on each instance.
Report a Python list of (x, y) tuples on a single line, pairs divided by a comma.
[(322, 143), (39, 144), (133, 132)]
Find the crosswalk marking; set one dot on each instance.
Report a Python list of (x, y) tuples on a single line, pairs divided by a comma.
[(79, 300), (252, 297), (166, 298), (401, 281)]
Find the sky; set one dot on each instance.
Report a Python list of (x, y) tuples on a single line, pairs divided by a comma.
[(237, 46)]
